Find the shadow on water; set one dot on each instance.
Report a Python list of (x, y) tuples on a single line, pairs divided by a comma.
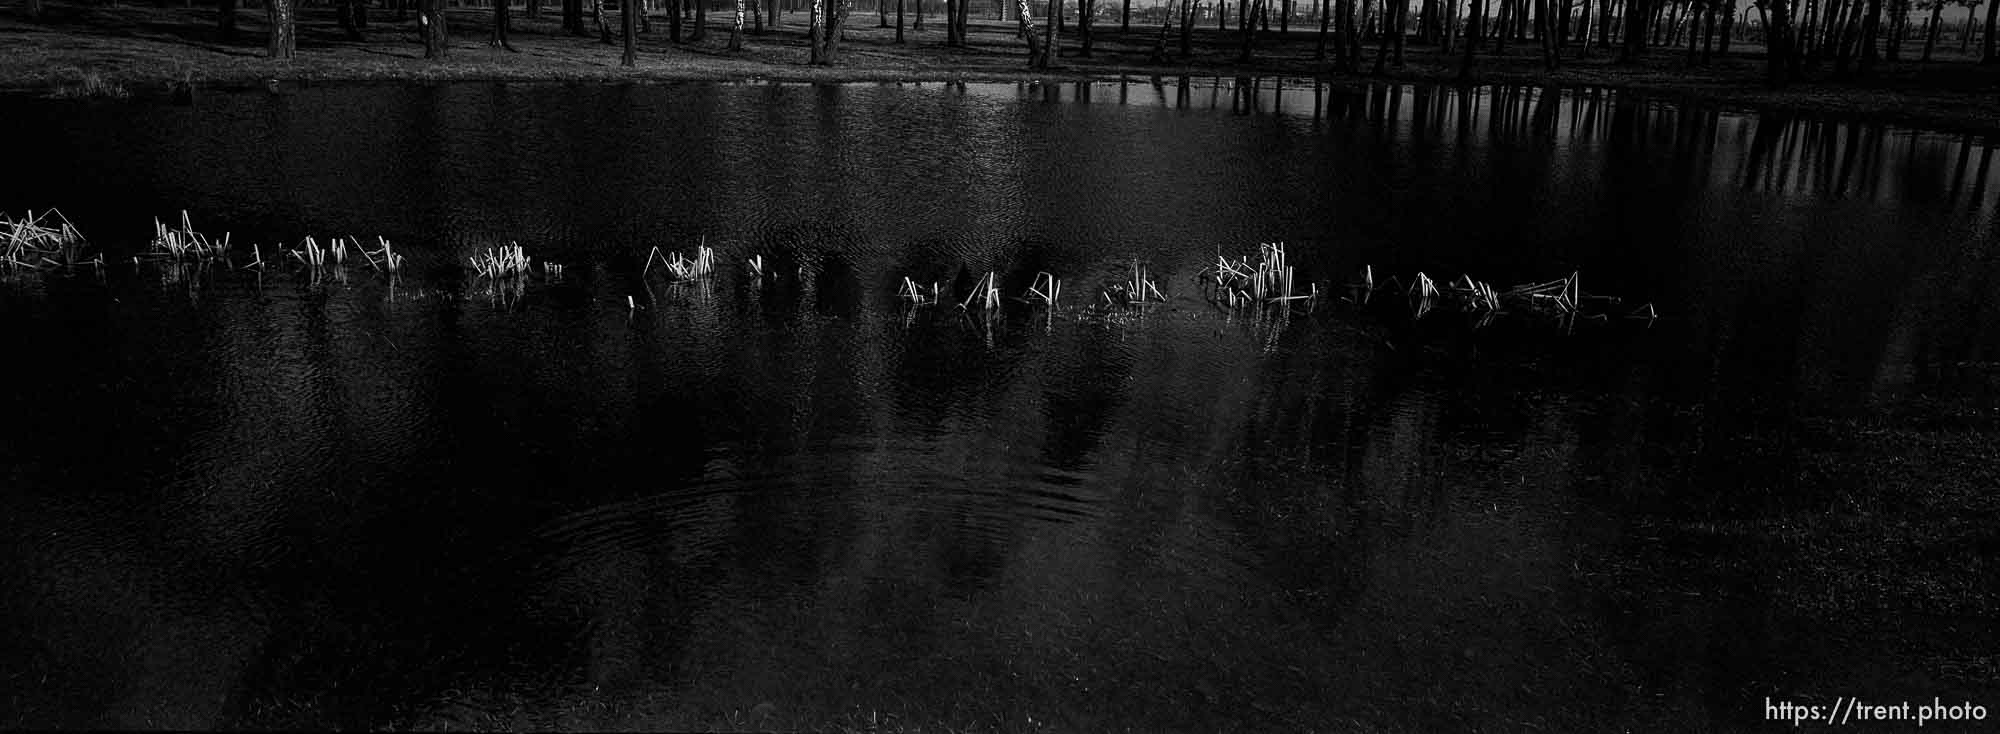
[(790, 501)]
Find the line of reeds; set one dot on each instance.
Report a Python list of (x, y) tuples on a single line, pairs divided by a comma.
[(1270, 278), (915, 294), (43, 240), (683, 267), (510, 261), (184, 243), (986, 291), (1563, 297), (1046, 287)]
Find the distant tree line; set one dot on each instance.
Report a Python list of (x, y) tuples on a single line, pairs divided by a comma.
[(1800, 36)]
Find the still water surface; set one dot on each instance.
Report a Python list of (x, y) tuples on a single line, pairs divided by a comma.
[(275, 501)]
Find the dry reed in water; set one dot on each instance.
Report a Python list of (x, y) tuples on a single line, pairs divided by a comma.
[(40, 240)]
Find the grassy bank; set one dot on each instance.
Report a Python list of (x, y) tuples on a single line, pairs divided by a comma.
[(144, 49)]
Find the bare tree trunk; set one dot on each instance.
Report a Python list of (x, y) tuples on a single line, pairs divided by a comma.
[(1027, 27), (430, 22), (736, 28), (899, 21), (1992, 14), (1325, 23), (1051, 49), (951, 22), (812, 34), (572, 17), (284, 38), (1402, 28), (1124, 22), (225, 20), (1086, 16), (1931, 28), (344, 11), (881, 13), (1778, 41), (700, 21), (629, 27), (499, 24)]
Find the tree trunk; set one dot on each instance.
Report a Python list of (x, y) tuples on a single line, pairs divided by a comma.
[(1402, 28), (951, 22), (1325, 23), (736, 27), (1051, 43), (1124, 21), (225, 20), (1778, 42), (1026, 20), (534, 9), (899, 21), (430, 22), (572, 17), (813, 46), (284, 39), (1086, 16), (1187, 28), (1636, 12), (499, 24), (1248, 31), (676, 20), (628, 26), (964, 18), (1992, 13), (1473, 26), (881, 13), (1931, 29), (836, 18), (1870, 37), (344, 11)]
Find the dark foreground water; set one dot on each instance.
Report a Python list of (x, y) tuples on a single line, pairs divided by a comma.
[(234, 500)]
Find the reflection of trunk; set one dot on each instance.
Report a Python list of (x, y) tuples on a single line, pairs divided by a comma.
[(226, 20), (1026, 24), (283, 40), (629, 27)]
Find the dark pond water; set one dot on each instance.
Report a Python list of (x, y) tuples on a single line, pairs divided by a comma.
[(235, 500)]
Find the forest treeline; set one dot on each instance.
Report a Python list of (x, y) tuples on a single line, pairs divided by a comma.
[(1845, 39)]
